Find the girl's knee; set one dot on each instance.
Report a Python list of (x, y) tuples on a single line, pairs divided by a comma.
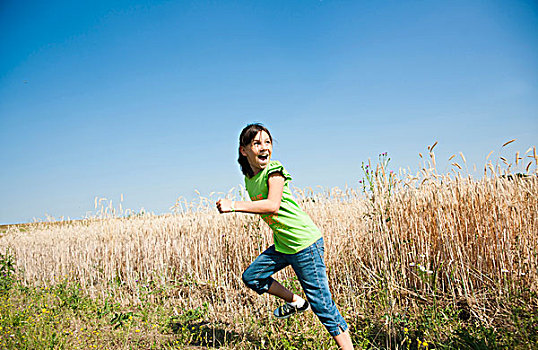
[(245, 277), (248, 279), (259, 285)]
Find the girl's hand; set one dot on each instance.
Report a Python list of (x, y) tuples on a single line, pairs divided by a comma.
[(224, 205)]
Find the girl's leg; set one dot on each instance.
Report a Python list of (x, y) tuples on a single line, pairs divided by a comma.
[(343, 340), (310, 268), (282, 292), (258, 275)]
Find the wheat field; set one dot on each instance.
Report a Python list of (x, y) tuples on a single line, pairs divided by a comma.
[(398, 243)]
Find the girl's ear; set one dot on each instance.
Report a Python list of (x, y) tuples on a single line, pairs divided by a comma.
[(242, 151)]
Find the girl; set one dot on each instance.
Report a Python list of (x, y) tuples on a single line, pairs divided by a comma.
[(298, 242)]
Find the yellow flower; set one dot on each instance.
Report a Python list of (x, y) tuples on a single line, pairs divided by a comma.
[(137, 331), (406, 330)]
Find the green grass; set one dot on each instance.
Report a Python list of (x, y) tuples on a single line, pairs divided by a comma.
[(63, 316)]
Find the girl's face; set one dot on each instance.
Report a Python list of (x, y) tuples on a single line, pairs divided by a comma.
[(258, 151)]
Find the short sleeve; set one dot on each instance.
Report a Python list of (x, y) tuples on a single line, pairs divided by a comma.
[(277, 167)]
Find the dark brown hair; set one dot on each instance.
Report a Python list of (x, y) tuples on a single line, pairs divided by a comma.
[(247, 135)]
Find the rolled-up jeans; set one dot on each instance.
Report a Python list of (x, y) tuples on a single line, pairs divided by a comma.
[(311, 272)]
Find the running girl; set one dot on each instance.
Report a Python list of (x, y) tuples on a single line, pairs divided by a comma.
[(298, 242)]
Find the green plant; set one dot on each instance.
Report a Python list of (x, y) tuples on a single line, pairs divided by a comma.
[(120, 318), (7, 271), (378, 185)]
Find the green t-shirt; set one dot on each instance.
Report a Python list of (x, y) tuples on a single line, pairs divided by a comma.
[(293, 230)]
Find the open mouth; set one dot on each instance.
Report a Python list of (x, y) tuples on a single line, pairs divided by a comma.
[(263, 157)]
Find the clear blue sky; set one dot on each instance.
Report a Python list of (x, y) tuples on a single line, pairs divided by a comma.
[(147, 98)]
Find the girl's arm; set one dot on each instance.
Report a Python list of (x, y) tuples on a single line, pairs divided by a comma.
[(270, 205)]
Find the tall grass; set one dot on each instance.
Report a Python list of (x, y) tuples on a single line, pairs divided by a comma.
[(398, 244)]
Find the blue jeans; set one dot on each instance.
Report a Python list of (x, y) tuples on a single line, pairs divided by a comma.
[(310, 270)]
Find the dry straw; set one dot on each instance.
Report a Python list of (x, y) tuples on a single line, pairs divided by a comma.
[(412, 238)]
